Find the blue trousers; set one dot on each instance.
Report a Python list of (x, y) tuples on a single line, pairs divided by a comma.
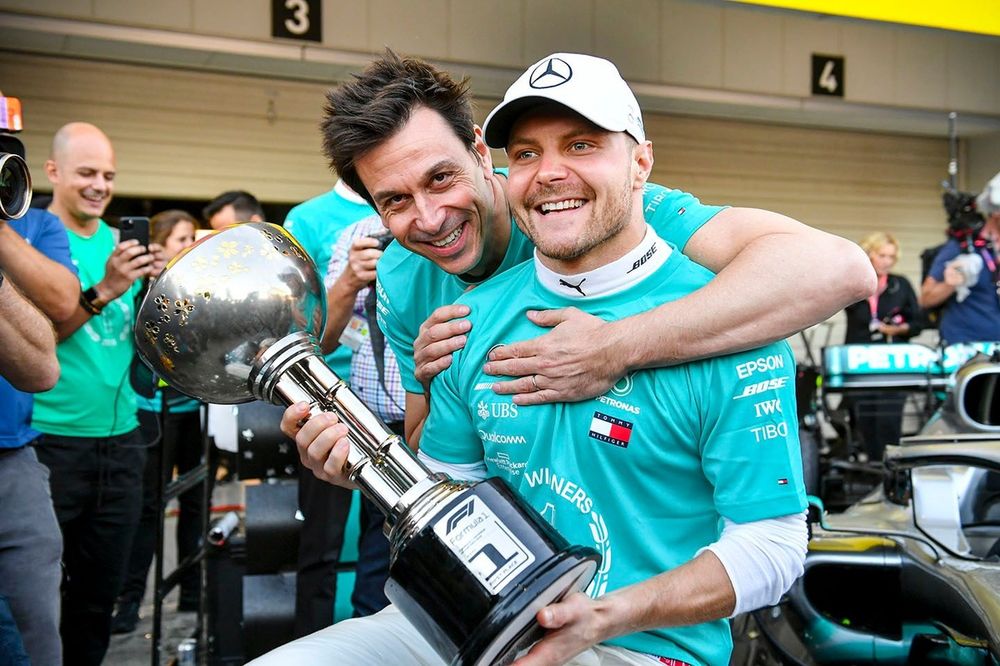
[(30, 549)]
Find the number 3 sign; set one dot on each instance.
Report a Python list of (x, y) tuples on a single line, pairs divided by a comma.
[(297, 19)]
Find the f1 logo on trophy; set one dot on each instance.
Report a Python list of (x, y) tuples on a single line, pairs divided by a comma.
[(235, 318)]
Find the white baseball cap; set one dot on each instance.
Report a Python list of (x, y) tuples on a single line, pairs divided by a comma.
[(590, 86)]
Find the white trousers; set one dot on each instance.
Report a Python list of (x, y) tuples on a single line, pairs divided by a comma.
[(387, 638)]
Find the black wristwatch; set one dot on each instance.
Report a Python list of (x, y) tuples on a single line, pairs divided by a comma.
[(90, 301)]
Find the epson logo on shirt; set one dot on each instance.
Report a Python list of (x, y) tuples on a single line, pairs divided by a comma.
[(760, 387), (773, 362)]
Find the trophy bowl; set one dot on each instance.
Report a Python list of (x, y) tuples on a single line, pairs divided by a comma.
[(235, 318), (221, 303)]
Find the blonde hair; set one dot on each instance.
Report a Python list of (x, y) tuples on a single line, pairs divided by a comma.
[(873, 241)]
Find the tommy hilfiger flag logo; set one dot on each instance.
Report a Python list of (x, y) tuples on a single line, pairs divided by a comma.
[(611, 430)]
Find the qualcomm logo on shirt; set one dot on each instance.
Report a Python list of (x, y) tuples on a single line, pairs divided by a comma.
[(498, 438)]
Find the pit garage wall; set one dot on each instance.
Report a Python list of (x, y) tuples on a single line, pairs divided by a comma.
[(182, 134), (183, 131)]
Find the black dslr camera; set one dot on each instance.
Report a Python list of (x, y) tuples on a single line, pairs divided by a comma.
[(383, 238), (15, 180), (964, 219)]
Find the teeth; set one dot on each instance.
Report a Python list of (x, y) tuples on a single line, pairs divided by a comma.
[(449, 239), (561, 205)]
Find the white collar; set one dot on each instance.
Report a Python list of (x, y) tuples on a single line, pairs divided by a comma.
[(343, 190), (637, 264)]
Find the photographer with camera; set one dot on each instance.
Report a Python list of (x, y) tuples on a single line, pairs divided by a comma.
[(90, 439), (964, 276), (38, 286)]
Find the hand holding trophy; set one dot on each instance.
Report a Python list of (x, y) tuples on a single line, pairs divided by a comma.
[(234, 319)]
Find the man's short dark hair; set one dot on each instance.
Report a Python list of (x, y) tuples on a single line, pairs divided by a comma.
[(363, 113), (245, 205)]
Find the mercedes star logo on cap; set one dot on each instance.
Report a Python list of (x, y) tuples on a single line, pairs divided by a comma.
[(553, 72)]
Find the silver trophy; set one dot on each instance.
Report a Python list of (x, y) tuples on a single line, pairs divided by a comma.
[(235, 318)]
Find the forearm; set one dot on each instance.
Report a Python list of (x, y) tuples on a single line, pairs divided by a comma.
[(49, 285), (27, 344), (417, 409), (340, 299), (695, 592), (777, 285), (934, 293)]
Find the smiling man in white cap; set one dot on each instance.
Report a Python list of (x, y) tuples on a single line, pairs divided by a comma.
[(648, 471)]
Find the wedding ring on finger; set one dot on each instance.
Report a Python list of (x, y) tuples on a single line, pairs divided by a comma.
[(535, 383)]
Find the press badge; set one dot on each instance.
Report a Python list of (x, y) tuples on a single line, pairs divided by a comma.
[(355, 332)]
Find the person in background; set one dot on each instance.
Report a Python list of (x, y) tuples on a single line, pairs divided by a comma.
[(965, 277), (317, 224), (890, 315), (90, 438), (38, 286), (351, 322), (172, 433), (232, 207)]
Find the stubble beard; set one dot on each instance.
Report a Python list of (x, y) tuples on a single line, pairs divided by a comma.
[(604, 224)]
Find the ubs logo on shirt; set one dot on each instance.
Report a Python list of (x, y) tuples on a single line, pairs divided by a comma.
[(496, 410)]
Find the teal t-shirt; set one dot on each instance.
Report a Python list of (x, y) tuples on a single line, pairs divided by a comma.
[(93, 397), (410, 287), (643, 473), (317, 224)]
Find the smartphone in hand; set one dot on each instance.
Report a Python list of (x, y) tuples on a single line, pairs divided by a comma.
[(135, 227)]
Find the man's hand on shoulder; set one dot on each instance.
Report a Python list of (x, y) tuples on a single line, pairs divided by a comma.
[(578, 359), (441, 335)]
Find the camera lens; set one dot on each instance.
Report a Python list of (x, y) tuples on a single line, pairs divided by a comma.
[(15, 186)]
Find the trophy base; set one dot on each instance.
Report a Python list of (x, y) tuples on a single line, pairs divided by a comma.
[(511, 626), (473, 575)]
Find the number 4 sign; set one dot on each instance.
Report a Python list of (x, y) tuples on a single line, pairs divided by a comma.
[(297, 19), (827, 75)]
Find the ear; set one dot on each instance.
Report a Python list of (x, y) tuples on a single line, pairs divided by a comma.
[(481, 149), (642, 162), (51, 171)]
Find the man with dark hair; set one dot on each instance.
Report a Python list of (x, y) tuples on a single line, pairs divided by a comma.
[(231, 208), (437, 192)]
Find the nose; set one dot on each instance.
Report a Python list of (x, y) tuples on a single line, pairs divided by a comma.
[(430, 216), (99, 182), (551, 167)]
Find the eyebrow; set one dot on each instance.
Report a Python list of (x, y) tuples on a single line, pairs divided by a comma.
[(382, 195), (583, 130)]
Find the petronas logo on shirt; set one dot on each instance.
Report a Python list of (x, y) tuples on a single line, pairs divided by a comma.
[(610, 429)]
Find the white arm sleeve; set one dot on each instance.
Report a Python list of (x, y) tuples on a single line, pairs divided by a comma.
[(762, 558), (461, 471)]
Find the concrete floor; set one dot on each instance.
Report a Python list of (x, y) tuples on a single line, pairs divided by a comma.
[(135, 649)]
